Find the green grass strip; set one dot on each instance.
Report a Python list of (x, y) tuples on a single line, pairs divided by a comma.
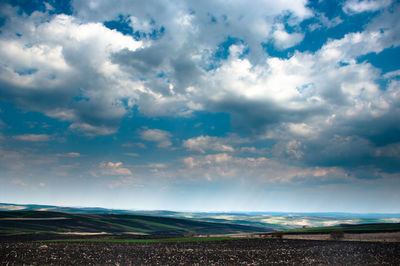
[(160, 240)]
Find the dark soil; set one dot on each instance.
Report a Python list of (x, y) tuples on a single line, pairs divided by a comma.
[(230, 252)]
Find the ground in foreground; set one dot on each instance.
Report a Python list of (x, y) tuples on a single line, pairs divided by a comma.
[(238, 251)]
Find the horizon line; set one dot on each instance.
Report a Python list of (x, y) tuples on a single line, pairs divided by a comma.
[(198, 211)]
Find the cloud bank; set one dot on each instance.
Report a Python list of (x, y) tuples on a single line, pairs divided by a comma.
[(302, 85)]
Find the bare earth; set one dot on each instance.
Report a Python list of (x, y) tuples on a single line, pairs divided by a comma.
[(380, 237), (368, 237), (256, 251)]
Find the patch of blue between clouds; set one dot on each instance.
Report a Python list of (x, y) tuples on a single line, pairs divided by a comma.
[(200, 123), (270, 49), (62, 140), (80, 96), (122, 24), (26, 71), (331, 8), (19, 121), (222, 51), (388, 60), (30, 6), (223, 48), (213, 19), (112, 147), (2, 21), (287, 20), (315, 39)]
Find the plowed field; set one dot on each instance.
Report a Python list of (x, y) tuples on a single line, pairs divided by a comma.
[(227, 252)]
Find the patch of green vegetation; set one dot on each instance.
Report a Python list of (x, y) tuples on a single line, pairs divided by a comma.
[(7, 214), (13, 233), (129, 228), (155, 224), (349, 228), (32, 226), (24, 230), (159, 240)]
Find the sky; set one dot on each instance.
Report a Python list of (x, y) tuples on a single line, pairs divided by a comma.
[(214, 105)]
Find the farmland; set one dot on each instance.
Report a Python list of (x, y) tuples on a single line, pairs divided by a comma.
[(216, 251), (269, 220), (45, 223), (95, 237)]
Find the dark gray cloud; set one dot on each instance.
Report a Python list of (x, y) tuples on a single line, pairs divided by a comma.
[(146, 61), (255, 117)]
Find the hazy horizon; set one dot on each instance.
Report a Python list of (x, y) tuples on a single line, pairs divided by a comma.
[(201, 211), (279, 106)]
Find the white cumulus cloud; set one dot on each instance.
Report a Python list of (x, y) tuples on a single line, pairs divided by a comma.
[(110, 168), (161, 137), (33, 137), (359, 6), (207, 143)]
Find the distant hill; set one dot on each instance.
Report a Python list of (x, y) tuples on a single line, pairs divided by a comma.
[(35, 207), (35, 222), (265, 220)]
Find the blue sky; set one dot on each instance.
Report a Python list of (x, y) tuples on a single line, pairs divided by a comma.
[(208, 106)]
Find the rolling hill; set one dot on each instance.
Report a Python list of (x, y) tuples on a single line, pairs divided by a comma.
[(258, 220), (36, 222)]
